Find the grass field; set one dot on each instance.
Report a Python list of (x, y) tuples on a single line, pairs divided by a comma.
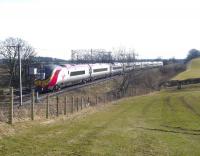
[(193, 71), (164, 123)]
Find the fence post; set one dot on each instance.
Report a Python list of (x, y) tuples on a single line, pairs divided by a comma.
[(57, 106), (72, 108), (96, 100), (11, 106), (32, 104), (77, 105), (37, 96), (88, 101), (85, 103), (47, 107), (81, 103), (65, 106)]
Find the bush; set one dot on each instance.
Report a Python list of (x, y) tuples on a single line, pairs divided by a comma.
[(193, 53)]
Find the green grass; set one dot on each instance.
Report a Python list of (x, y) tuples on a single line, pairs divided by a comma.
[(193, 71), (164, 123)]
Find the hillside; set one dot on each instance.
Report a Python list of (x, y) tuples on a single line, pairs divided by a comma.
[(163, 123), (193, 70)]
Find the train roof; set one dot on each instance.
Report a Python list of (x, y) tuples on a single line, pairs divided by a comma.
[(69, 66), (99, 64)]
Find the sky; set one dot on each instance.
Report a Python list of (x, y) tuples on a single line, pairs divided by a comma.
[(153, 28)]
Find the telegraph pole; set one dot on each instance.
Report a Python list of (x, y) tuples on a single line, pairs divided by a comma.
[(20, 73)]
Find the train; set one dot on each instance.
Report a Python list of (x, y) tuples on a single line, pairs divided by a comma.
[(55, 77)]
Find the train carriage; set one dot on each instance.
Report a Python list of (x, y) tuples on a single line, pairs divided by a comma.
[(116, 68), (74, 74), (100, 70), (137, 65), (54, 77), (128, 66)]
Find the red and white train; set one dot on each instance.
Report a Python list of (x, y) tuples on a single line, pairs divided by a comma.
[(55, 77)]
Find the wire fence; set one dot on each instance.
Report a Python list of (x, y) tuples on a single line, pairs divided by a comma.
[(54, 106)]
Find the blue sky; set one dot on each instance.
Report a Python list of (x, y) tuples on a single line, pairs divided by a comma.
[(156, 28)]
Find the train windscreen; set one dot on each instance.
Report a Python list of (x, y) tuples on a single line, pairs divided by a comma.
[(48, 71)]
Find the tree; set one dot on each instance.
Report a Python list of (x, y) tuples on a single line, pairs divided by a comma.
[(193, 53), (91, 56), (9, 52), (121, 54)]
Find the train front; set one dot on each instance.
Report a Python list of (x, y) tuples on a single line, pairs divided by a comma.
[(47, 78)]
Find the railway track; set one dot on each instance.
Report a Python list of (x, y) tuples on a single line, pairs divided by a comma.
[(41, 97)]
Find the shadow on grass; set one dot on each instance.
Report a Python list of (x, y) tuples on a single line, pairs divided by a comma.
[(189, 106), (184, 131)]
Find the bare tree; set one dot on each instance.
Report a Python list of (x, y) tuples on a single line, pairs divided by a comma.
[(91, 56), (9, 52), (121, 54)]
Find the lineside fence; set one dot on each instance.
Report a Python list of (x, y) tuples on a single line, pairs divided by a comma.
[(51, 107), (180, 83)]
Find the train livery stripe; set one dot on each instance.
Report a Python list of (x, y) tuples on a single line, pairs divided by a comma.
[(54, 79)]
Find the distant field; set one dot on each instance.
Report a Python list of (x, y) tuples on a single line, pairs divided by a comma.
[(193, 71), (164, 123)]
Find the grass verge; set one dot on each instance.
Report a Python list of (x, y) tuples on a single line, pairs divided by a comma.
[(193, 70), (162, 123)]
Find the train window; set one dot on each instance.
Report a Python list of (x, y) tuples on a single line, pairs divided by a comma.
[(116, 68), (128, 66), (100, 70), (76, 73)]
